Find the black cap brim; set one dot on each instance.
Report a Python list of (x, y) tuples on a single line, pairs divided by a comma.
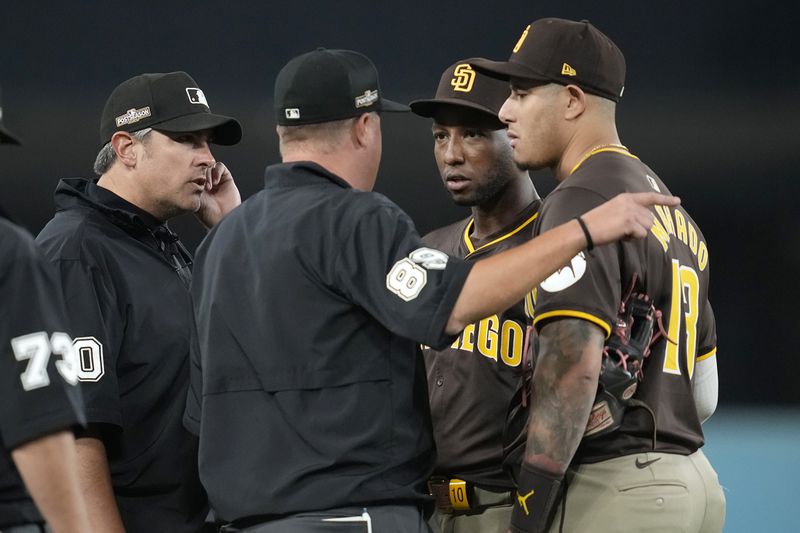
[(226, 131), (506, 70), (7, 138), (393, 107)]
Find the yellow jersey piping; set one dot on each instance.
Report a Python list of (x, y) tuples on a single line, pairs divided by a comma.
[(597, 151), (712, 353), (471, 222), (574, 314)]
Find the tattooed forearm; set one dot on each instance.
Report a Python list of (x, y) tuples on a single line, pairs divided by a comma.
[(564, 386)]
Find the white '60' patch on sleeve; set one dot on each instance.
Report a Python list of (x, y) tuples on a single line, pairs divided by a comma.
[(409, 275)]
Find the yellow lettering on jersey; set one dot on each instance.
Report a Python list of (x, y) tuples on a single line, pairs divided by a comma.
[(680, 227), (685, 300), (512, 337), (488, 336), (693, 239), (666, 219), (468, 338), (493, 337), (661, 234), (674, 328), (691, 289), (702, 256)]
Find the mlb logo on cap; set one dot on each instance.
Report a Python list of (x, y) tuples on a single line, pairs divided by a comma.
[(164, 101), (196, 96)]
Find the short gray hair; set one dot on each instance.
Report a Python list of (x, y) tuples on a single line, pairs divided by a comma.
[(106, 156), (323, 137)]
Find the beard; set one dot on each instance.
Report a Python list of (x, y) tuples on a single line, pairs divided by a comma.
[(499, 175)]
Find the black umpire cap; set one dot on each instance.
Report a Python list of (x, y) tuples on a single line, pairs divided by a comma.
[(463, 86), (326, 85), (170, 102), (565, 52), (6, 137)]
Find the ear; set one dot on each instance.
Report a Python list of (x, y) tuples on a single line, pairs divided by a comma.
[(123, 144), (576, 102), (360, 132)]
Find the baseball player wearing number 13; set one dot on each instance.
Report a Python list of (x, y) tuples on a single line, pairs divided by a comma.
[(628, 458)]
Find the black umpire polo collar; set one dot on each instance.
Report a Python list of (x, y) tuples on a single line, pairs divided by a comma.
[(286, 173), (121, 206)]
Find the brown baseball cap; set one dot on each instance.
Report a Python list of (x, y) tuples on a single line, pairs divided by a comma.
[(565, 52), (170, 101), (463, 86)]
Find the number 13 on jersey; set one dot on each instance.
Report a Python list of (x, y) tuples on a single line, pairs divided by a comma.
[(683, 312)]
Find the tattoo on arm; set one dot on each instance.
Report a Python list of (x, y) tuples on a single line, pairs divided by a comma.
[(564, 387)]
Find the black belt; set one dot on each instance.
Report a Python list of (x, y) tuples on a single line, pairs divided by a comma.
[(456, 496)]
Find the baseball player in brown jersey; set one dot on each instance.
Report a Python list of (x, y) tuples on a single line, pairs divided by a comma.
[(621, 459), (471, 382)]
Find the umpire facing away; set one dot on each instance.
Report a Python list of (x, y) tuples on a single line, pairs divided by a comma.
[(125, 276), (308, 386)]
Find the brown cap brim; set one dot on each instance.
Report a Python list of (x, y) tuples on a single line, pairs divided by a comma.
[(430, 107), (506, 70)]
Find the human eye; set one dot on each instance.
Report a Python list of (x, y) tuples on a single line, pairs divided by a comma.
[(474, 133), (439, 135)]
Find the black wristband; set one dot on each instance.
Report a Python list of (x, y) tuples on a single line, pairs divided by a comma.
[(535, 505), (589, 241)]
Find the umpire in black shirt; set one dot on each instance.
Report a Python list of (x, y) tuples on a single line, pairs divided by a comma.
[(125, 277), (308, 388)]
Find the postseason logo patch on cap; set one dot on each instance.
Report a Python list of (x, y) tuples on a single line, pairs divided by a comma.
[(133, 116), (367, 99), (196, 96)]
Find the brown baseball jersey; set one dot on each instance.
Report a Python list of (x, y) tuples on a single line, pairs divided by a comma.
[(672, 265), (471, 382)]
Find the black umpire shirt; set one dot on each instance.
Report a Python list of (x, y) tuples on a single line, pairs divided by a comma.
[(38, 381), (125, 278), (309, 392)]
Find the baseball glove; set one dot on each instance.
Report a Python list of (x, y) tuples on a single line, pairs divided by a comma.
[(623, 359)]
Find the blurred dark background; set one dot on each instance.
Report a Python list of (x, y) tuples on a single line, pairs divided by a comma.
[(711, 104)]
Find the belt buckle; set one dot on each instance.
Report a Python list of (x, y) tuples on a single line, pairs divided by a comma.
[(451, 495)]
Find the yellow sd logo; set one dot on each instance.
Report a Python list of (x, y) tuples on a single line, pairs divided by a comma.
[(463, 78)]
